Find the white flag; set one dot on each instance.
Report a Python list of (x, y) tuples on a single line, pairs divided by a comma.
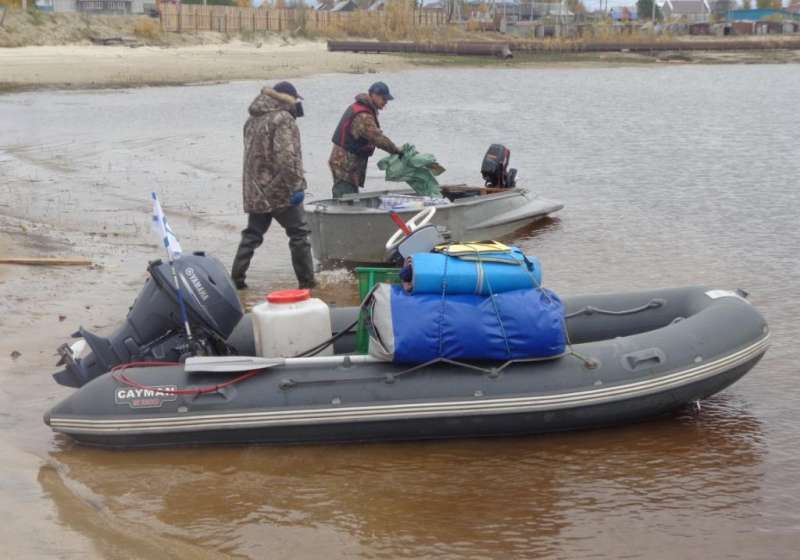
[(164, 232)]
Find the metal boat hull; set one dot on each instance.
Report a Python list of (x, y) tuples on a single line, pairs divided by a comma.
[(355, 230)]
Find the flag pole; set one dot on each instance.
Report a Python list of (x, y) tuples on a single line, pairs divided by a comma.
[(181, 304), (158, 215)]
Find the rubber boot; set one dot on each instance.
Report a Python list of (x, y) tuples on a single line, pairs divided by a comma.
[(241, 262), (293, 220), (252, 237), (303, 265), (341, 188)]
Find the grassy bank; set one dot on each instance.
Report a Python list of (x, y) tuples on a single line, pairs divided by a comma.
[(35, 28)]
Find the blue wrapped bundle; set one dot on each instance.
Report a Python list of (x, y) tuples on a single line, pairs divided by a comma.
[(517, 324), (482, 274)]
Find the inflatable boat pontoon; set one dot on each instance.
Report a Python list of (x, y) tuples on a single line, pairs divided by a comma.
[(632, 356)]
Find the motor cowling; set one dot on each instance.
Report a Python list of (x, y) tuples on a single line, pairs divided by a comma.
[(495, 170), (153, 328)]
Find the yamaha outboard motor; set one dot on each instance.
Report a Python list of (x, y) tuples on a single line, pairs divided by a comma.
[(153, 329), (494, 168)]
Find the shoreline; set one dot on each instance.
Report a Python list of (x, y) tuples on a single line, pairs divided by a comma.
[(108, 67), (87, 67)]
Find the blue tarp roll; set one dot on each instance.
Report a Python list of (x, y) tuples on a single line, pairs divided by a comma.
[(481, 277), (511, 325)]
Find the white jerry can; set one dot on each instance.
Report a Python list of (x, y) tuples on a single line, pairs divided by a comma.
[(291, 322)]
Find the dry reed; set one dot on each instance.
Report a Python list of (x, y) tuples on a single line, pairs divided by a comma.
[(146, 28)]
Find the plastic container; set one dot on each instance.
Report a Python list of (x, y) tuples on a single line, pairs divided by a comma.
[(291, 322), (368, 276)]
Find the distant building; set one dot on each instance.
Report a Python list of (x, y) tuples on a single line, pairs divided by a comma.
[(537, 9), (511, 10), (508, 10), (758, 15), (624, 13), (692, 11), (59, 6), (720, 8), (344, 6), (377, 6), (92, 6)]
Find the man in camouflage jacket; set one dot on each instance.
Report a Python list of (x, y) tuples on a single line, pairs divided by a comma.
[(273, 184), (355, 140)]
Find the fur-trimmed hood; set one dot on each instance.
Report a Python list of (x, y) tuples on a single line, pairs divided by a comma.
[(270, 100)]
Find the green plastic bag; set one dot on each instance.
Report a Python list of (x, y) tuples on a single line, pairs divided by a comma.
[(418, 170)]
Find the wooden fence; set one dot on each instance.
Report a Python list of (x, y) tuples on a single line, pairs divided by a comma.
[(193, 18)]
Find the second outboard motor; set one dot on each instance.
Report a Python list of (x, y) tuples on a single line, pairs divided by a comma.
[(494, 168), (153, 329)]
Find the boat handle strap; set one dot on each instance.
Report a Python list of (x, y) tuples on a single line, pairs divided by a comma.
[(650, 357), (589, 310)]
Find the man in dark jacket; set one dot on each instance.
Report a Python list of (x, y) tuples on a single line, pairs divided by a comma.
[(273, 183), (356, 138)]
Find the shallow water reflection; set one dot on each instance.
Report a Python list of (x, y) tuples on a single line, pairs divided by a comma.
[(477, 498)]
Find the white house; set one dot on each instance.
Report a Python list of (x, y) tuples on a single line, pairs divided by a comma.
[(92, 6), (57, 5), (692, 11)]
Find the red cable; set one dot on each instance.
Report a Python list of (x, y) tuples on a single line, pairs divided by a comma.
[(152, 363), (122, 378)]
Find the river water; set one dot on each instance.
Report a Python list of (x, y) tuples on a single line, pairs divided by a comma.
[(670, 176)]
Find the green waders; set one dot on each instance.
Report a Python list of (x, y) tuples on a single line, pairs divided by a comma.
[(293, 220), (341, 188)]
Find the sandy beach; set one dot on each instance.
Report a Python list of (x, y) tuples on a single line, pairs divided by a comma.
[(93, 66)]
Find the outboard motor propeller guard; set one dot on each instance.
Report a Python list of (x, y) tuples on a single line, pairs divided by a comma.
[(153, 328)]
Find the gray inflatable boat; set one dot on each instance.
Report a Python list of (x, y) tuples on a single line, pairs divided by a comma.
[(632, 356)]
